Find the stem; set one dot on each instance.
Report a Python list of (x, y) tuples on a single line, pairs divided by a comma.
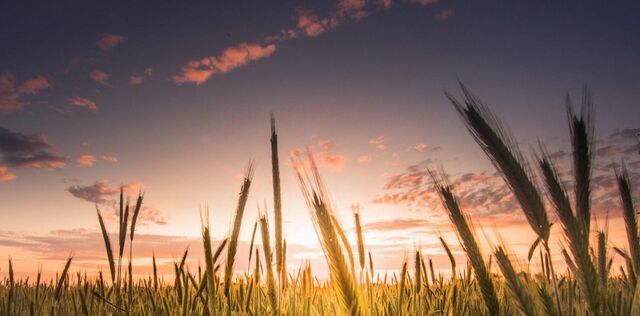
[(553, 277)]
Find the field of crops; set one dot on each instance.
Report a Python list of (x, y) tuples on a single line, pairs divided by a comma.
[(491, 283)]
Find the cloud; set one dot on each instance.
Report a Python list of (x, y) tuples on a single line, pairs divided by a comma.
[(84, 103), (309, 24), (86, 160), (10, 95), (140, 78), (199, 71), (106, 195), (322, 155), (378, 143), (26, 151), (445, 14), (110, 158), (419, 147), (363, 159), (99, 76), (5, 175), (34, 85), (99, 192), (326, 158), (109, 41)]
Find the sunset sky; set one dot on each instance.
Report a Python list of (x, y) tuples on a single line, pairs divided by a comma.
[(175, 97)]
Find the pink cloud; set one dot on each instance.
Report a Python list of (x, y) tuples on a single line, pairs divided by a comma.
[(141, 78), (84, 103), (86, 160), (110, 158), (378, 143), (323, 156), (445, 15), (199, 71), (5, 174), (34, 85), (10, 94), (419, 147), (352, 9), (309, 23), (109, 41), (364, 158), (99, 76)]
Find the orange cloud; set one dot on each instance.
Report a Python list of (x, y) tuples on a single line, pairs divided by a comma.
[(84, 103), (199, 71), (34, 85), (5, 174), (323, 157), (86, 160), (378, 142), (326, 158), (100, 76), (109, 41)]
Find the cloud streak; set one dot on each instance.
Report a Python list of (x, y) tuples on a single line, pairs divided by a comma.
[(199, 71), (109, 41), (84, 104)]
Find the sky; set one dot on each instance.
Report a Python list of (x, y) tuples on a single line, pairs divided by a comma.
[(174, 98)]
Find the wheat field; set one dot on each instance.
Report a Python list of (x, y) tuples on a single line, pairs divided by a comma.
[(491, 283)]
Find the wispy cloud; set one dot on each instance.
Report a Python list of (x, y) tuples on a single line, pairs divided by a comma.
[(86, 160), (378, 142), (419, 147), (322, 154), (84, 103), (363, 159), (109, 41), (138, 79), (199, 71), (110, 158), (99, 76), (33, 86), (10, 94)]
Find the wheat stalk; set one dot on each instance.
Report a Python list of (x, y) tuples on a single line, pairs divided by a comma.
[(235, 230)]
